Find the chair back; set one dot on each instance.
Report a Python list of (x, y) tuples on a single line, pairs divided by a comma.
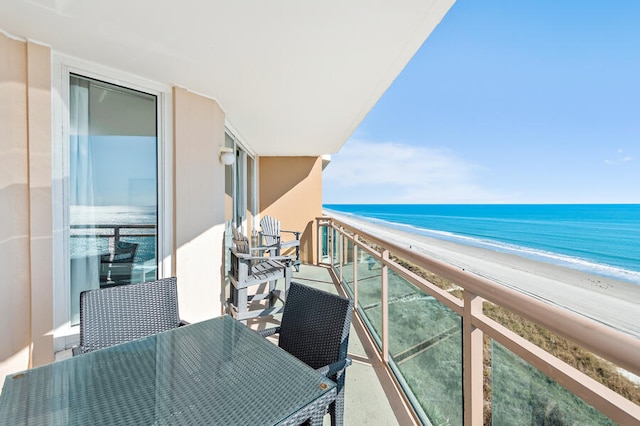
[(237, 235), (270, 230), (123, 252), (117, 265), (239, 246), (315, 325), (242, 245), (115, 315)]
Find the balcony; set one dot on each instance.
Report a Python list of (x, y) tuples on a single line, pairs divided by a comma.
[(420, 351), (125, 253), (368, 382), (415, 361)]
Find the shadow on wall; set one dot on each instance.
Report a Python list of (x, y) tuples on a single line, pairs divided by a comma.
[(306, 243), (15, 289), (281, 176), (291, 191)]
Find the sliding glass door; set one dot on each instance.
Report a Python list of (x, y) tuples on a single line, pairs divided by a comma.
[(113, 187), (240, 186)]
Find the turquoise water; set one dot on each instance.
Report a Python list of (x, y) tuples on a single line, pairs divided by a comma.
[(601, 239), (115, 215)]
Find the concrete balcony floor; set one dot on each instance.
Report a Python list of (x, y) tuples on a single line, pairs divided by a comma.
[(371, 396)]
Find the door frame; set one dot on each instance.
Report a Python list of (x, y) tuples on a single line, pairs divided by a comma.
[(64, 334)]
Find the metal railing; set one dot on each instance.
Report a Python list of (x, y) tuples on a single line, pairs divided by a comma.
[(340, 243), (113, 233)]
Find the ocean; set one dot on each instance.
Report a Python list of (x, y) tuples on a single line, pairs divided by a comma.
[(600, 239), (113, 215)]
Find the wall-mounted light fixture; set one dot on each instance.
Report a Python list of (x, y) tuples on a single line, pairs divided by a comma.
[(227, 156)]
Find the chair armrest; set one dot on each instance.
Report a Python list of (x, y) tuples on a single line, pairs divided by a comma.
[(296, 233), (331, 369), (269, 235), (268, 331), (290, 244), (245, 256), (280, 258), (262, 248)]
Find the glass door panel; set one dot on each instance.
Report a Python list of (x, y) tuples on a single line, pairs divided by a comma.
[(251, 208), (240, 195), (113, 208)]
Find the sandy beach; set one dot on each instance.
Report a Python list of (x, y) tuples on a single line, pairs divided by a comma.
[(609, 301)]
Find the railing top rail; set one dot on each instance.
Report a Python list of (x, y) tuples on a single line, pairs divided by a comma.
[(128, 226), (617, 347)]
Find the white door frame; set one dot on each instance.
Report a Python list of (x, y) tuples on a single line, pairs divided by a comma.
[(64, 334)]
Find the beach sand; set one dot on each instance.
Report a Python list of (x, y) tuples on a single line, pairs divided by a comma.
[(611, 302)]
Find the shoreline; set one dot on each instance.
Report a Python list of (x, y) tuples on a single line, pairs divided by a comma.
[(606, 300)]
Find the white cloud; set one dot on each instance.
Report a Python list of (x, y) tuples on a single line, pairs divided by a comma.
[(620, 160), (391, 172)]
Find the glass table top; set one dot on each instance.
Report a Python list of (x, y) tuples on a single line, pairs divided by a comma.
[(213, 372)]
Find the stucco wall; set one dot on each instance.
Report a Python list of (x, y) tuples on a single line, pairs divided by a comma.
[(199, 205), (26, 294), (291, 191)]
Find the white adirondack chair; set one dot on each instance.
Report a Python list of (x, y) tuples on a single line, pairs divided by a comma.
[(271, 238)]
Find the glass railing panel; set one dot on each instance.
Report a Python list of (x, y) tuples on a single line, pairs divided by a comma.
[(335, 252), (145, 266), (347, 266), (370, 294), (324, 244), (425, 344), (521, 394)]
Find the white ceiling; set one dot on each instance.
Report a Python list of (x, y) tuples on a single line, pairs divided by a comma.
[(294, 77)]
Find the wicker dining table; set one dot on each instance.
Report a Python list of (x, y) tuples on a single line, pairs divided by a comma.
[(216, 372)]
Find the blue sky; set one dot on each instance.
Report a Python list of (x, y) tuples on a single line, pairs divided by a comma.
[(122, 172), (506, 102), (133, 181)]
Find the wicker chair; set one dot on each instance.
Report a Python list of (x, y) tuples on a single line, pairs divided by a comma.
[(114, 315), (315, 329), (271, 239), (116, 267)]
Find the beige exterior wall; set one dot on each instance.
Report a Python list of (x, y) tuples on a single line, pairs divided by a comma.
[(199, 205), (26, 294), (290, 190), (26, 258)]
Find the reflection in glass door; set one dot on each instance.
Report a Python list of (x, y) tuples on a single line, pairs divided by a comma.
[(240, 195), (113, 206)]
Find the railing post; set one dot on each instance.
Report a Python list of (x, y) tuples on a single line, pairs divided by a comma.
[(330, 234), (355, 271), (472, 361), (341, 254), (318, 244), (385, 306), (113, 243), (322, 225), (345, 252)]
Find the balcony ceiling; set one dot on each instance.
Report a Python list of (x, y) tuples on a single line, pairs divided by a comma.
[(293, 77)]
